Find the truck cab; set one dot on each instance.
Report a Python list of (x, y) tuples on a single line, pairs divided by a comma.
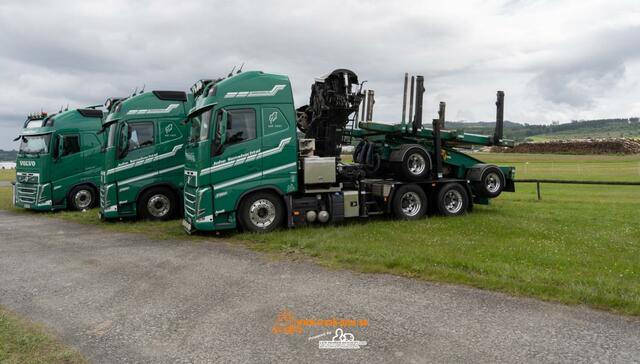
[(144, 155), (59, 160), (242, 142)]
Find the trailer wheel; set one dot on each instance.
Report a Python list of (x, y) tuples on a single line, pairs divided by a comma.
[(82, 198), (491, 182), (452, 199), (261, 212), (409, 202), (157, 203), (416, 165)]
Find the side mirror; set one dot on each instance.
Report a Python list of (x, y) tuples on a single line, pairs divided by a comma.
[(220, 136), (123, 140), (224, 123), (57, 141)]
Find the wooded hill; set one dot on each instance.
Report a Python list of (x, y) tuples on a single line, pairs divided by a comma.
[(582, 129)]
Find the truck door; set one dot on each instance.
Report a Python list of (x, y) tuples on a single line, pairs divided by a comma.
[(68, 165), (136, 168), (279, 149), (237, 166)]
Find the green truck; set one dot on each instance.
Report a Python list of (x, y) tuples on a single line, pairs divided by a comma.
[(59, 160), (247, 166), (144, 155)]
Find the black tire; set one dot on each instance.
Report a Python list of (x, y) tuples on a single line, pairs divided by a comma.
[(261, 212), (491, 183), (452, 199), (409, 202), (82, 197), (157, 203), (415, 165)]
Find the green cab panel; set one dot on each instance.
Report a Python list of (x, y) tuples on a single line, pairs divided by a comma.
[(255, 150), (145, 148), (57, 153)]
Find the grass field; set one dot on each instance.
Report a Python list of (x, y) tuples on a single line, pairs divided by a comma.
[(7, 174), (25, 342), (579, 245)]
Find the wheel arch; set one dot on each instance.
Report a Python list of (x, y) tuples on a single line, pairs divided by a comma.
[(474, 173), (95, 188), (96, 191), (171, 186), (388, 207), (264, 188), (399, 154)]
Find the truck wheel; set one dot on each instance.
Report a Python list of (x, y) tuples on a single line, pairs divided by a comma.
[(409, 202), (158, 203), (491, 182), (415, 165), (261, 212), (453, 199), (82, 198)]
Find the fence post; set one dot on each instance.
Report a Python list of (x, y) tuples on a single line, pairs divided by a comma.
[(538, 189)]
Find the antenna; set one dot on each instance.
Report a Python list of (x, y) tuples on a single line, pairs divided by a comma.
[(134, 91), (67, 109), (231, 73), (143, 86), (240, 70)]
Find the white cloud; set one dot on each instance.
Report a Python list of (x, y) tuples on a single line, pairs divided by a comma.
[(556, 60)]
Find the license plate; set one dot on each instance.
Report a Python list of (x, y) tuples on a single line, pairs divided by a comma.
[(26, 206)]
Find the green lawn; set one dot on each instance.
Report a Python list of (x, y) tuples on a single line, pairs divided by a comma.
[(579, 245), (565, 166), (7, 174), (25, 342)]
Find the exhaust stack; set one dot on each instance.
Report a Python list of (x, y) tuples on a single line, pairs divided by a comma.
[(417, 120), (404, 100), (497, 133)]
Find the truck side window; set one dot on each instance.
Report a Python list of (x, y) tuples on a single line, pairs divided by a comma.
[(70, 144), (141, 135), (242, 125)]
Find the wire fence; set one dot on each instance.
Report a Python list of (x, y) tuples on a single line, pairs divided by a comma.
[(573, 182)]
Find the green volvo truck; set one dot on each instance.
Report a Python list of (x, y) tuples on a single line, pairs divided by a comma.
[(59, 160), (144, 155), (254, 161)]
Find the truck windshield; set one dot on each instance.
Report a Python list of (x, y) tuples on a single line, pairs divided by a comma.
[(35, 144), (35, 123), (200, 125)]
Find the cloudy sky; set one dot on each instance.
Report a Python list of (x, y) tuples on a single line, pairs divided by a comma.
[(556, 60)]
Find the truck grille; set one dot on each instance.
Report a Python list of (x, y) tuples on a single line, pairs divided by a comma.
[(26, 193), (189, 202), (26, 177)]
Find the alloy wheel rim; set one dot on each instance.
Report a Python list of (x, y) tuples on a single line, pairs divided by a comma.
[(416, 163), (262, 213), (158, 205), (492, 182), (82, 199), (453, 201), (410, 203)]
